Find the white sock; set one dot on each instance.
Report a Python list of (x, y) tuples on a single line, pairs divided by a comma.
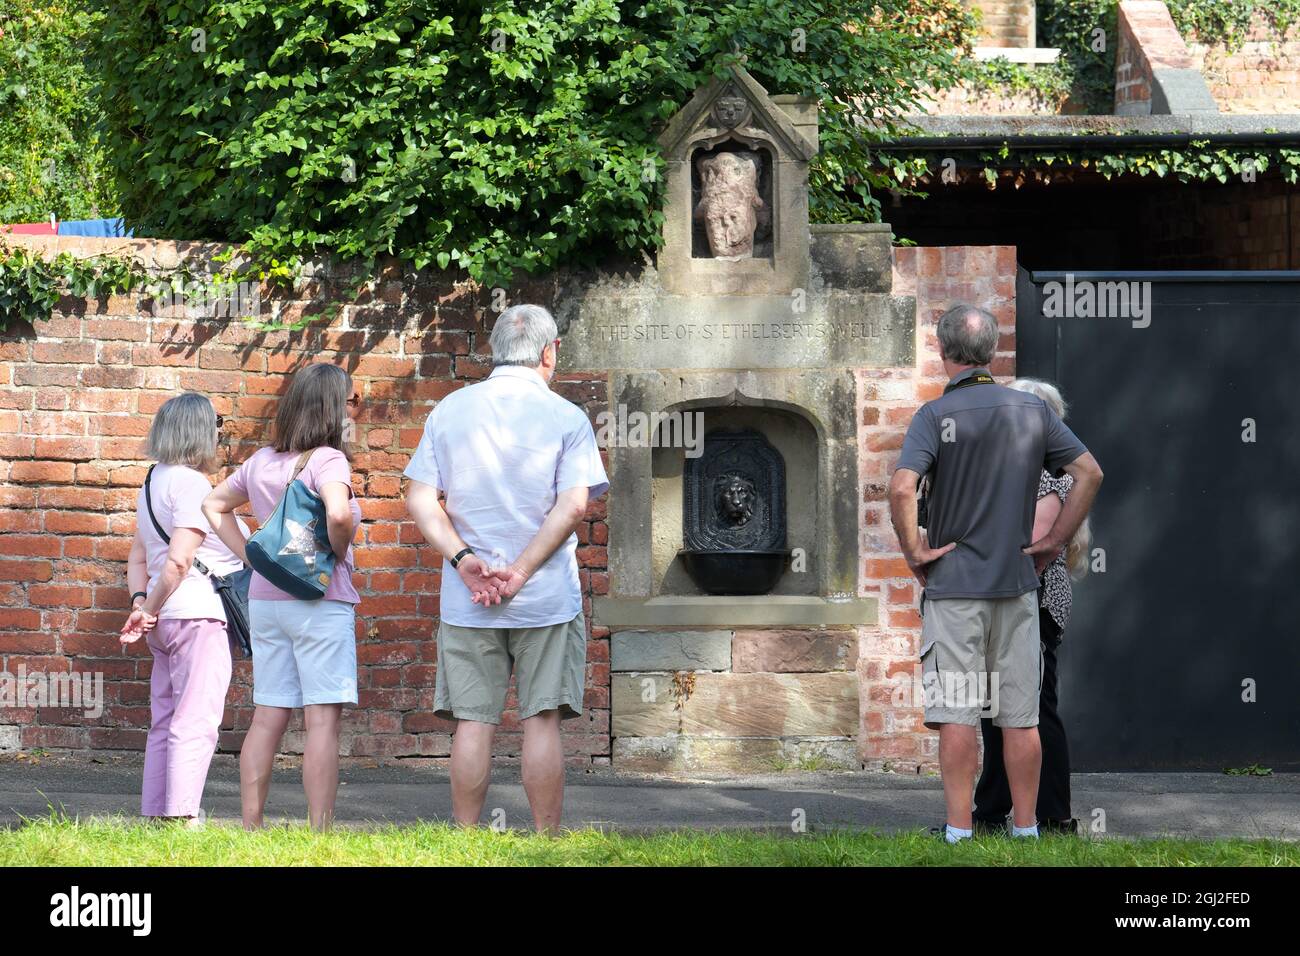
[(954, 834), (1024, 831)]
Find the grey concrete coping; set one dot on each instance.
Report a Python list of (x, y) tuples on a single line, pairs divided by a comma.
[(1208, 124), (769, 610), (1180, 91)]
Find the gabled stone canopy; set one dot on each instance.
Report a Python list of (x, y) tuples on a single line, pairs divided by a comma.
[(733, 107), (766, 121)]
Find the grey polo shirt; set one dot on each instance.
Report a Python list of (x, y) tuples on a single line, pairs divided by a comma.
[(987, 445)]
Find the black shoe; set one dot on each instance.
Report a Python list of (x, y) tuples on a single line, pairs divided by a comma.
[(990, 827), (1059, 827)]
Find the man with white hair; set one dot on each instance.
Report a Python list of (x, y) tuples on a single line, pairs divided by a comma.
[(984, 447), (518, 464)]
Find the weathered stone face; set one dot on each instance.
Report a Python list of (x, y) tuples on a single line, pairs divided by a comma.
[(729, 202), (731, 109)]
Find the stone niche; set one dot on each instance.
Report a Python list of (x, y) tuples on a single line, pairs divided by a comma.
[(750, 322)]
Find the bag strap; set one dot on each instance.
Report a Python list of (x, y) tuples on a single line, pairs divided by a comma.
[(148, 503), (297, 469)]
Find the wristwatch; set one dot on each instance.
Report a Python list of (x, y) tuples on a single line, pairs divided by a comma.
[(460, 554)]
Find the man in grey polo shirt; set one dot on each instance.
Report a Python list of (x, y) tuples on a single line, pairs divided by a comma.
[(983, 447), (518, 464)]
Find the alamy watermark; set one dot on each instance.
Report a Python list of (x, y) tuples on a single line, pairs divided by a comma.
[(625, 428), (1086, 299), (947, 690), (71, 690), (207, 300)]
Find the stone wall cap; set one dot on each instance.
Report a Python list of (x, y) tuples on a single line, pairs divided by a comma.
[(822, 228), (1207, 124)]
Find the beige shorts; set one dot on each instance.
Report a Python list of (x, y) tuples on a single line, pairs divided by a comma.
[(475, 663), (981, 657)]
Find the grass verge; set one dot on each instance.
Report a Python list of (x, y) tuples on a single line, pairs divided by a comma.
[(121, 842)]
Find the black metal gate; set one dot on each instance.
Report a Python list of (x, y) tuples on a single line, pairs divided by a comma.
[(1198, 607)]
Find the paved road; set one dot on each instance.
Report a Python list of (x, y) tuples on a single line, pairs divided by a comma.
[(1180, 804)]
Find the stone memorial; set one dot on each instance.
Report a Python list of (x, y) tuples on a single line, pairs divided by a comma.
[(749, 328)]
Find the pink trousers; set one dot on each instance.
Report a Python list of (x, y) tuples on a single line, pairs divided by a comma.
[(191, 674)]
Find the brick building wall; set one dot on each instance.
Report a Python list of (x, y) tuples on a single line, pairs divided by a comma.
[(1231, 226), (1006, 23), (76, 398), (1260, 76)]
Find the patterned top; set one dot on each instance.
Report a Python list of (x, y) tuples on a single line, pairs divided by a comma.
[(1054, 592)]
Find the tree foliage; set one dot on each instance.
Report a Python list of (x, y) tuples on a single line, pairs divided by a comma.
[(489, 136), (50, 158)]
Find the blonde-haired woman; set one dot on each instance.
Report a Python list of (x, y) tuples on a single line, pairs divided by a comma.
[(177, 610), (993, 792)]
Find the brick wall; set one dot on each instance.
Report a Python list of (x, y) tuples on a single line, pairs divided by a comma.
[(1148, 41), (1230, 226), (1260, 76), (77, 394), (939, 277), (1006, 23), (77, 398), (966, 100)]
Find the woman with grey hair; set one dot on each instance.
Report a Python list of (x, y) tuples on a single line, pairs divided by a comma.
[(177, 610), (993, 792), (304, 652)]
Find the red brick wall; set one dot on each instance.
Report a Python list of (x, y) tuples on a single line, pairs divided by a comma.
[(1236, 225), (966, 100), (78, 395), (1005, 23), (939, 277), (77, 398), (1260, 76), (1148, 40)]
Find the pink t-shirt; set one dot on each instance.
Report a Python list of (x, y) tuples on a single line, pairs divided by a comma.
[(178, 494), (263, 479)]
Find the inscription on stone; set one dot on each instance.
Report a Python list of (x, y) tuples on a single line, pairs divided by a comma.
[(870, 328), (835, 330)]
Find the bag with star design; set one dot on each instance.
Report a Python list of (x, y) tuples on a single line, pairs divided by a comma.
[(292, 548)]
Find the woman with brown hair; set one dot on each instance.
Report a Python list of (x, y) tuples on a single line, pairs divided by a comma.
[(304, 652)]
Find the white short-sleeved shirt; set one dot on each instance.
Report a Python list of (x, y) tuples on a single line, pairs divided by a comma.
[(503, 449), (178, 494)]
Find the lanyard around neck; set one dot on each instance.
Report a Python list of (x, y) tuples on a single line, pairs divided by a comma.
[(979, 378)]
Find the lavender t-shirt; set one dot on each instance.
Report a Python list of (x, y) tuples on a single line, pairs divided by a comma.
[(263, 479), (178, 493)]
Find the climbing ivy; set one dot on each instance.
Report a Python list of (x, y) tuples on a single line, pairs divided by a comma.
[(1199, 161), (1050, 82), (1216, 21), (31, 285)]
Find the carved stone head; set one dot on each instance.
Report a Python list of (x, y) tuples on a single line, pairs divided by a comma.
[(729, 202), (730, 109)]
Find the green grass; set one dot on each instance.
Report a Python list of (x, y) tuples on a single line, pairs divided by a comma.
[(121, 842)]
